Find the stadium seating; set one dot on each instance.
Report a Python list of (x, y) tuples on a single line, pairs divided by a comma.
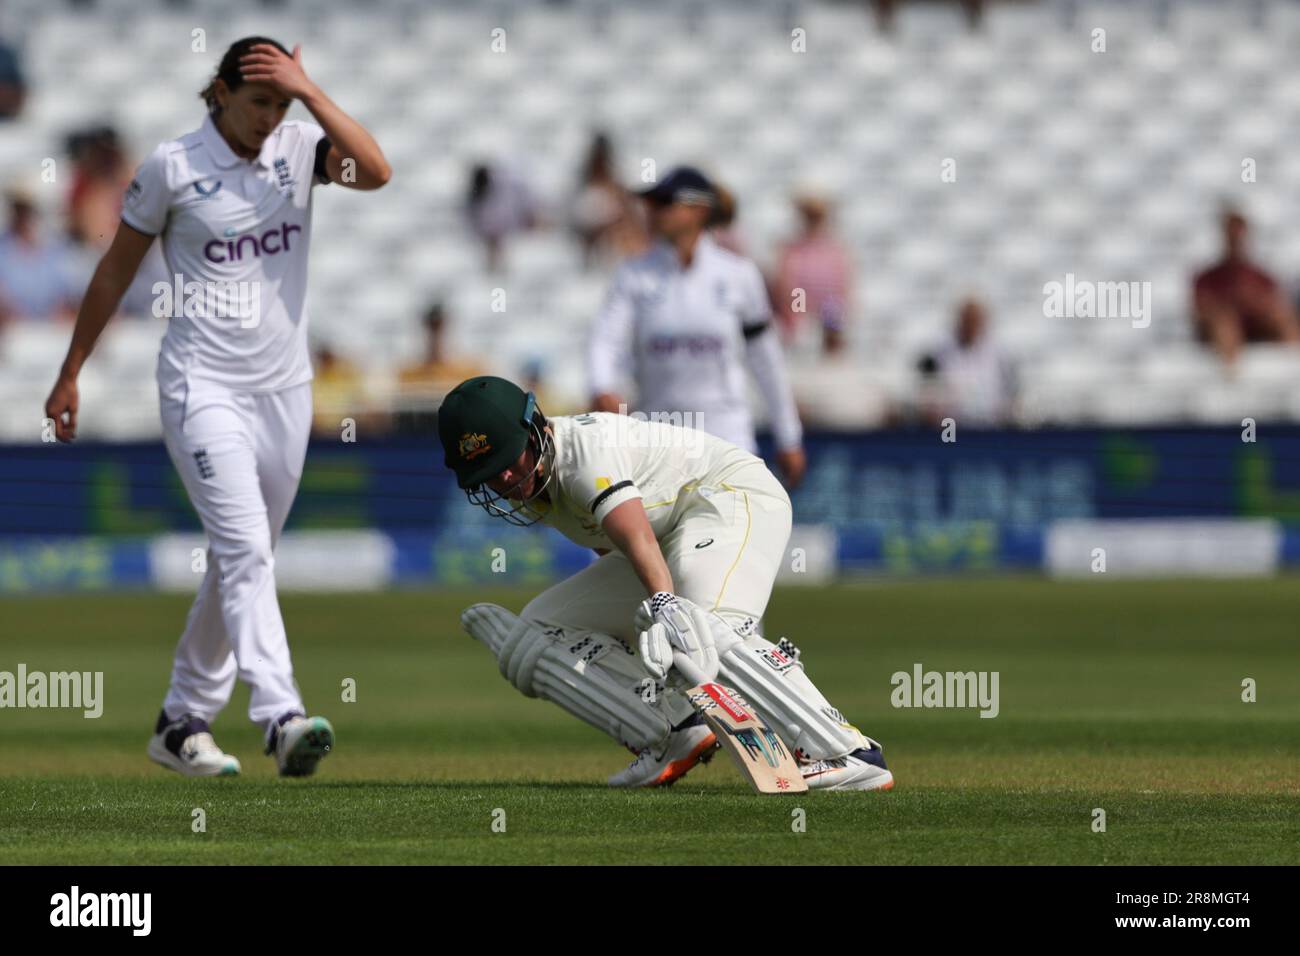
[(1110, 165)]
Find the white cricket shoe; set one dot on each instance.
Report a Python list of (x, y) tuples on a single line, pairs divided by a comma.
[(863, 769), (186, 746), (299, 743), (692, 742)]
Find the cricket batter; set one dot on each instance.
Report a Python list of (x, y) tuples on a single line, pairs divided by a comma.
[(691, 531), (231, 203)]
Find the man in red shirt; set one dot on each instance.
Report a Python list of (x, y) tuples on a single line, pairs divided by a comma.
[(1236, 302)]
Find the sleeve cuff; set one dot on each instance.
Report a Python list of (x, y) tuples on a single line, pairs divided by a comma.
[(318, 168), (612, 497), (140, 229)]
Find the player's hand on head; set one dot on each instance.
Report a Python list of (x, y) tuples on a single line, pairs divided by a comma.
[(265, 63), (64, 400)]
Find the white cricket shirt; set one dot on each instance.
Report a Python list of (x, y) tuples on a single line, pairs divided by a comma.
[(686, 335), (241, 230), (603, 460)]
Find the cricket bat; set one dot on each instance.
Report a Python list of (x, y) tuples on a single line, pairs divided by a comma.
[(756, 749)]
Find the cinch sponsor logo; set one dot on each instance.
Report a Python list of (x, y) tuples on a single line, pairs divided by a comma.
[(251, 246), (103, 909), (690, 344)]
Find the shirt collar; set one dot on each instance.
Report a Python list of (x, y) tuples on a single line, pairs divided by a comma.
[(221, 152), (704, 248)]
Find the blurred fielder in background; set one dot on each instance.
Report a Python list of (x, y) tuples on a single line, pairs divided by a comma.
[(684, 318)]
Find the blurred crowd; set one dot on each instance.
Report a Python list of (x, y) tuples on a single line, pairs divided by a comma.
[(812, 286), (56, 227)]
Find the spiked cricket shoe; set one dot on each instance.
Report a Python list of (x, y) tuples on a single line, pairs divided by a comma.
[(690, 743), (863, 769), (299, 743), (186, 746)]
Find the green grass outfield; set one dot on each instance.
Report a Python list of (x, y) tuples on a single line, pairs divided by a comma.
[(1123, 696)]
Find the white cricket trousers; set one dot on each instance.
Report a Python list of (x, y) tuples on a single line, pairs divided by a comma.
[(240, 455)]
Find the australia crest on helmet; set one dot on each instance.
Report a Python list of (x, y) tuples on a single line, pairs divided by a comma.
[(473, 444)]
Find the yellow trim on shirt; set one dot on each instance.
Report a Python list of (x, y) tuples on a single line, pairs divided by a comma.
[(748, 524), (685, 489)]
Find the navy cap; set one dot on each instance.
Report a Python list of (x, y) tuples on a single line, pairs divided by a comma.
[(685, 184)]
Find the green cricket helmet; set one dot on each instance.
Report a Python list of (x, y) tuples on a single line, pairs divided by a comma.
[(484, 424)]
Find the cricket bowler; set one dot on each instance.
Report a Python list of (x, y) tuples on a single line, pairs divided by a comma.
[(691, 531), (231, 204)]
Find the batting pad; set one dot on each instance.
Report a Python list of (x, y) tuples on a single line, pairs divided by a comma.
[(576, 670), (776, 685)]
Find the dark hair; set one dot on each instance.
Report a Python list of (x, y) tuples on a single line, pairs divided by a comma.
[(600, 158), (229, 70), (724, 207)]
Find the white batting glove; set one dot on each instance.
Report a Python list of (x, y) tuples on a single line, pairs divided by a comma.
[(676, 633)]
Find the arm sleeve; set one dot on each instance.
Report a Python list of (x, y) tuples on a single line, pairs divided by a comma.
[(607, 499), (315, 147), (320, 173), (602, 480), (609, 345), (148, 198), (763, 352)]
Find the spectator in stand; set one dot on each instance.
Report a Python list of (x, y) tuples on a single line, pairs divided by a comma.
[(499, 204), (422, 385), (969, 379), (338, 393), (38, 275), (1236, 302), (813, 275), (100, 175), (605, 216), (13, 87)]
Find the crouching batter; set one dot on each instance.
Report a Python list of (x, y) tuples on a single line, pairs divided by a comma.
[(691, 531)]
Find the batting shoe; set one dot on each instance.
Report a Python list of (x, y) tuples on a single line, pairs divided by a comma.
[(691, 742), (299, 743), (186, 746), (863, 769)]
